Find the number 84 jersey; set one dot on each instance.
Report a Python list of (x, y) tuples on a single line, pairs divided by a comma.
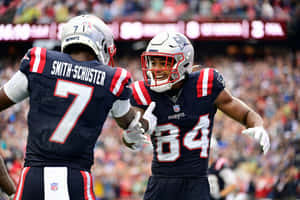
[(185, 122)]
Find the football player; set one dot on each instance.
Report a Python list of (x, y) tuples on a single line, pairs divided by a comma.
[(70, 95), (185, 107), (221, 177)]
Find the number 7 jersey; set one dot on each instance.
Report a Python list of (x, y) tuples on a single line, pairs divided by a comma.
[(69, 102), (182, 137)]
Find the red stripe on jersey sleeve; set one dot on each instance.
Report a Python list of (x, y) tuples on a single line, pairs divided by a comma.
[(115, 79), (210, 81), (145, 92), (200, 84), (42, 61), (124, 82), (135, 95), (32, 58)]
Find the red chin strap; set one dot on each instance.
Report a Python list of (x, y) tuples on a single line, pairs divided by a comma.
[(112, 51)]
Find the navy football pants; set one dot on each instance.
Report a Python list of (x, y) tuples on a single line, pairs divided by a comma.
[(169, 188), (54, 183)]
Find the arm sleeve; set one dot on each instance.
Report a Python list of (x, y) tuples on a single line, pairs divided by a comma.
[(16, 88), (120, 108)]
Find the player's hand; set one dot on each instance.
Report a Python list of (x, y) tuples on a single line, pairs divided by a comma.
[(134, 139), (150, 117), (261, 135), (134, 136)]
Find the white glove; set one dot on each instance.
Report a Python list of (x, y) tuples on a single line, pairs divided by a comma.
[(150, 117), (261, 135), (134, 136)]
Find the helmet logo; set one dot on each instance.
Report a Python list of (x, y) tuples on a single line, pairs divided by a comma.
[(181, 41)]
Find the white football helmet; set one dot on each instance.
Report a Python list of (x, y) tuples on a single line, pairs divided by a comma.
[(175, 48), (91, 31)]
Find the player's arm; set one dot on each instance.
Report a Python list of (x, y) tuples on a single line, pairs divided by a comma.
[(125, 120), (124, 114), (5, 102), (131, 121), (239, 111), (6, 183)]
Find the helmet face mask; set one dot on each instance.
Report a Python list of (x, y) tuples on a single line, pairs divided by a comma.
[(167, 70), (176, 55), (91, 31)]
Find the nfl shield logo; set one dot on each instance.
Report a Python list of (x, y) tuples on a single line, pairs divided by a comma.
[(54, 186), (176, 108)]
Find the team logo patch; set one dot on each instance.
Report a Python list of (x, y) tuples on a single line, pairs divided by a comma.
[(54, 186), (181, 41), (176, 108)]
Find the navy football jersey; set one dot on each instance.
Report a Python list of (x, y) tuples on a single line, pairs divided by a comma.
[(69, 102), (182, 136)]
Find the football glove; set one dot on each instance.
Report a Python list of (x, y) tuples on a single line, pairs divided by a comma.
[(261, 135), (150, 117), (134, 137)]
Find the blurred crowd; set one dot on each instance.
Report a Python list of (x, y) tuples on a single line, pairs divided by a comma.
[(35, 11), (268, 85)]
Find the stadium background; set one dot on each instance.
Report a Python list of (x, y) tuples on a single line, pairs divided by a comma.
[(263, 70)]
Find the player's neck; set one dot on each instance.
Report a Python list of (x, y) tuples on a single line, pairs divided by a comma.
[(175, 89), (82, 56), (178, 85)]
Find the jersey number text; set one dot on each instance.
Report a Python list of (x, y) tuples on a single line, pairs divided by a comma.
[(189, 140), (83, 94)]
